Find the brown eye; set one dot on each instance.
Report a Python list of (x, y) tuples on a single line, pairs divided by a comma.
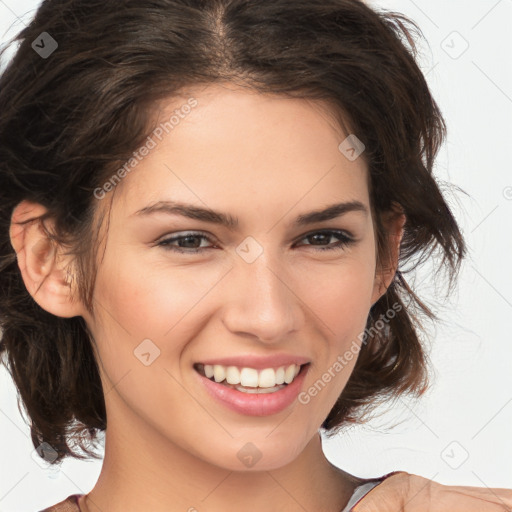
[(317, 238), (191, 242), (187, 243)]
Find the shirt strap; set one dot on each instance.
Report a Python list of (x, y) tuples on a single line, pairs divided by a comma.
[(362, 490)]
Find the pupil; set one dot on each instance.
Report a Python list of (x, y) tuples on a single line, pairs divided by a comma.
[(315, 237), (189, 238)]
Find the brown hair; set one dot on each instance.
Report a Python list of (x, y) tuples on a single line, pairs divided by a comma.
[(69, 120)]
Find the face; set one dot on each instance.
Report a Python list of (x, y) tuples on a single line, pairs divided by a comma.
[(178, 297)]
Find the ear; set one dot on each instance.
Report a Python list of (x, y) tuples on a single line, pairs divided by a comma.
[(393, 222), (45, 271)]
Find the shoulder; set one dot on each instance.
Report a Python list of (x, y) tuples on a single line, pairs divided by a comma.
[(70, 504)]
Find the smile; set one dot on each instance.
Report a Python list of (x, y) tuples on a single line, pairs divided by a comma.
[(250, 391), (250, 380)]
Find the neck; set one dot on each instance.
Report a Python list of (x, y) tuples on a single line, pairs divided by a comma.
[(160, 476)]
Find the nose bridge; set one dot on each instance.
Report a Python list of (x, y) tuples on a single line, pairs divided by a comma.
[(262, 302)]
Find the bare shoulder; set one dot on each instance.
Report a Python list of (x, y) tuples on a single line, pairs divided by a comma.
[(412, 493)]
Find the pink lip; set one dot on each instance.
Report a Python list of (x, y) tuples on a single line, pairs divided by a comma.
[(259, 362), (255, 404)]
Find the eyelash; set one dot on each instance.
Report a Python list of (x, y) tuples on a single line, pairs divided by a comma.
[(344, 241)]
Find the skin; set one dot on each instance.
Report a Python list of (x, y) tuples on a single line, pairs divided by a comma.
[(169, 445), (413, 493)]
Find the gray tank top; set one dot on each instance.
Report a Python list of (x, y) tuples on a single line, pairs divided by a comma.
[(362, 491)]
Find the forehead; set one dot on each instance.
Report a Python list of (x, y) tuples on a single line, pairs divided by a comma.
[(240, 148)]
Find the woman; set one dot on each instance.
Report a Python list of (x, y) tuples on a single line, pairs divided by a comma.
[(203, 207)]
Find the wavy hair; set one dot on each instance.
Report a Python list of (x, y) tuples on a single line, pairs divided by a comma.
[(71, 119)]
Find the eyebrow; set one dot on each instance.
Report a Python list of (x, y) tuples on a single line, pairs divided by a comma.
[(223, 219)]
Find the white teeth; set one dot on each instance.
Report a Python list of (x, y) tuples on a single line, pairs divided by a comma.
[(219, 373), (280, 375), (267, 378), (232, 375), (259, 390), (289, 374), (249, 377), (252, 378), (208, 370)]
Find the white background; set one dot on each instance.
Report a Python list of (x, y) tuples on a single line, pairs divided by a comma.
[(460, 432)]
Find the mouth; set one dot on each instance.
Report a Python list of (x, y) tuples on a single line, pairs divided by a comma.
[(251, 380)]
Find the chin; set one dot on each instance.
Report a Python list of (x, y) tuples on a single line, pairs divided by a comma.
[(269, 451)]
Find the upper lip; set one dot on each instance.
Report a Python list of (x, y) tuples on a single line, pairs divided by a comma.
[(258, 362)]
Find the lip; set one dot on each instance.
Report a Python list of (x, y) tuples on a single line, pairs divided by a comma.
[(258, 362), (253, 404)]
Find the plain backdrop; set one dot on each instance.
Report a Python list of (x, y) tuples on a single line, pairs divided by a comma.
[(460, 432)]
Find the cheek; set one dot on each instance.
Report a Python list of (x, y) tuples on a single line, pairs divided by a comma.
[(340, 293), (152, 299), (143, 327), (346, 298), (154, 308), (341, 298)]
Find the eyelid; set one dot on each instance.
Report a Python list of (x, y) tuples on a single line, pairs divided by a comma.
[(338, 231), (176, 235)]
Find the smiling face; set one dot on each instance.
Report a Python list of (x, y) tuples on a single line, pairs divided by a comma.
[(262, 292)]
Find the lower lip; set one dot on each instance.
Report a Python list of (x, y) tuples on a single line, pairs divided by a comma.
[(255, 404)]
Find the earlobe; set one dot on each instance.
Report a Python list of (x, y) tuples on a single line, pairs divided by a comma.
[(37, 254)]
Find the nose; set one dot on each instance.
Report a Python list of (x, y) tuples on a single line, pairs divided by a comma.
[(261, 301)]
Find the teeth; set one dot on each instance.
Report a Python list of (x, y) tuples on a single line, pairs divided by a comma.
[(289, 374), (259, 390), (232, 375), (219, 373), (267, 378), (250, 377), (280, 375)]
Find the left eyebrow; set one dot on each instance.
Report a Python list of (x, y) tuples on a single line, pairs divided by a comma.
[(215, 217), (331, 212)]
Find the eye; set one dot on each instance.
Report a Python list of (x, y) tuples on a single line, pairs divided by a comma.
[(188, 242), (325, 235)]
